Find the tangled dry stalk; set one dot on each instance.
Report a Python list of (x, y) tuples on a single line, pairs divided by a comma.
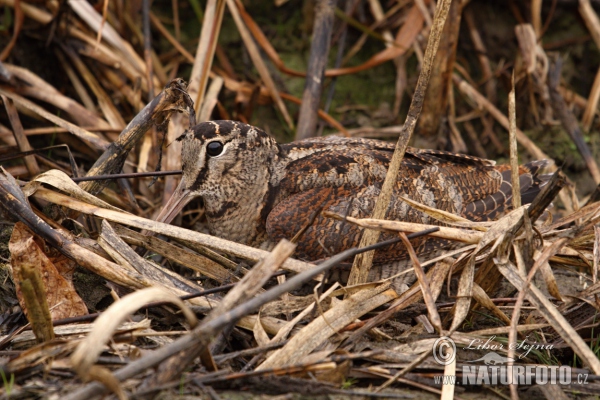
[(523, 279)]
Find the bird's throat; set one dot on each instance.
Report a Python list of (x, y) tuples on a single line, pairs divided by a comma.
[(236, 214)]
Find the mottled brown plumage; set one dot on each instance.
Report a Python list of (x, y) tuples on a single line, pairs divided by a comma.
[(256, 191)]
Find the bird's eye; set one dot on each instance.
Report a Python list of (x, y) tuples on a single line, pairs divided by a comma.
[(214, 149)]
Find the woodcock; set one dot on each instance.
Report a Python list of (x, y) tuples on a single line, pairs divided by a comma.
[(256, 191)]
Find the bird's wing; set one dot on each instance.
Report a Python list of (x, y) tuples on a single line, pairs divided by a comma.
[(323, 237), (441, 173), (348, 183)]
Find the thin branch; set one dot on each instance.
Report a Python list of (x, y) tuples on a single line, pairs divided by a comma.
[(362, 264)]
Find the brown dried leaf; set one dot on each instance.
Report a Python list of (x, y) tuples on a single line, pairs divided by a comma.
[(64, 183), (56, 273)]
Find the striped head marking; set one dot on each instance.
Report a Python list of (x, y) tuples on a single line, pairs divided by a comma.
[(218, 155)]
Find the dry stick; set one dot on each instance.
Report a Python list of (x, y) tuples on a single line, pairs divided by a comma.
[(18, 25), (196, 88), (176, 23), (125, 256), (568, 120), (35, 87), (15, 203), (242, 292), (591, 19), (232, 248), (229, 81), (592, 105), (481, 52), (593, 24), (211, 26), (411, 296), (211, 99), (536, 17), (257, 59), (399, 62), (93, 140), (159, 73), (404, 39), (553, 315), (202, 335), (20, 137), (172, 99), (404, 370), (514, 156), (438, 91), (91, 17), (152, 138), (362, 263), (434, 316), (596, 254), (313, 85), (105, 102), (33, 290), (324, 116), (178, 46), (512, 334), (131, 175), (196, 262), (545, 197), (20, 154), (76, 82), (482, 103), (147, 46), (595, 196), (341, 48)]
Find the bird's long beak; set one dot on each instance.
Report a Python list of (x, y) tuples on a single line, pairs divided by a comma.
[(180, 198)]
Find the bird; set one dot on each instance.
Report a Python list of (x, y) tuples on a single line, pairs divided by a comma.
[(256, 191)]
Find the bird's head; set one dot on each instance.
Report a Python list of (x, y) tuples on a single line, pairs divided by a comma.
[(221, 159)]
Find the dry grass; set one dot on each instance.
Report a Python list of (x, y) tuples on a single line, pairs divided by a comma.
[(114, 99)]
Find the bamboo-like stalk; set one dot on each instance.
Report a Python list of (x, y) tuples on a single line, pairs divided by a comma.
[(514, 155), (362, 263)]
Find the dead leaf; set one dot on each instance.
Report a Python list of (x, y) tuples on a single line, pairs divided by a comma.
[(56, 274)]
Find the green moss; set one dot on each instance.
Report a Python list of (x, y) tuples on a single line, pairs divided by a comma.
[(555, 142)]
